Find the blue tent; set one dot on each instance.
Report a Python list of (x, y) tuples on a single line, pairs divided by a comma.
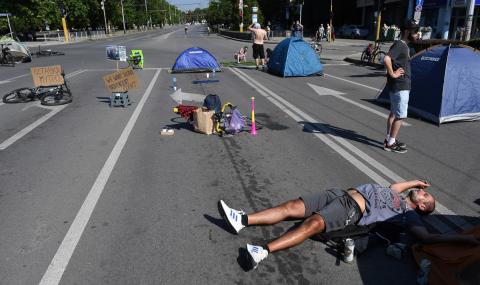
[(445, 84), (294, 57), (195, 59)]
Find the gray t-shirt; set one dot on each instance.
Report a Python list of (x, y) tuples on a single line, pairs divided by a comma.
[(400, 55), (384, 204)]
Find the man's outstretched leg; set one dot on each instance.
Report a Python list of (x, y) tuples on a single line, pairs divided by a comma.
[(237, 219), (310, 227), (293, 209)]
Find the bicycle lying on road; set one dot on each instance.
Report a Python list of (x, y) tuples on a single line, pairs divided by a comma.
[(47, 52), (6, 57), (373, 54), (48, 95)]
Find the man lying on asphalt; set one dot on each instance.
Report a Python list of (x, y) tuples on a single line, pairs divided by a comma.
[(334, 209)]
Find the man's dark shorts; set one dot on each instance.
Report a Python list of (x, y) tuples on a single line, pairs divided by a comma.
[(258, 51), (336, 207)]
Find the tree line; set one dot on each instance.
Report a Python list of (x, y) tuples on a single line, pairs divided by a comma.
[(41, 15)]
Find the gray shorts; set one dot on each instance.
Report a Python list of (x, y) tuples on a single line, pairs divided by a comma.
[(336, 207)]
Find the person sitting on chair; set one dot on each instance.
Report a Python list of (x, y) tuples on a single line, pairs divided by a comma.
[(241, 54), (335, 209)]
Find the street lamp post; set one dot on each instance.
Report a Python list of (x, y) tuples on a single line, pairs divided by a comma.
[(104, 15), (331, 21)]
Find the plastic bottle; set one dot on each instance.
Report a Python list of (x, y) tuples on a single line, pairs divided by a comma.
[(174, 83), (349, 250)]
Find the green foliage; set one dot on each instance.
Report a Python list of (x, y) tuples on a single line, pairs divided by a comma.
[(36, 15), (227, 13)]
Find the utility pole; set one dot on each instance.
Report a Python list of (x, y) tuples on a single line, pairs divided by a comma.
[(63, 13), (149, 19), (468, 26), (104, 15), (379, 20), (331, 21), (123, 18)]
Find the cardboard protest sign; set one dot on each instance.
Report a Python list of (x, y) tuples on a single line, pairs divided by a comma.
[(47, 76), (122, 80)]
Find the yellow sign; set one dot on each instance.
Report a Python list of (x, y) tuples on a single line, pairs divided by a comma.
[(47, 76), (122, 80)]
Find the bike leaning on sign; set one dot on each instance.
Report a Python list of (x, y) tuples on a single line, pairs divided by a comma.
[(50, 88)]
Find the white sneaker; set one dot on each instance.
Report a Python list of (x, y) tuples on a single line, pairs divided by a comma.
[(232, 216), (256, 254)]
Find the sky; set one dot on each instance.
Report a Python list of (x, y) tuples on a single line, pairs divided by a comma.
[(186, 5)]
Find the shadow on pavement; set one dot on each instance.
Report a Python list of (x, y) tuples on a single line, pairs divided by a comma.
[(219, 223), (372, 74), (339, 132)]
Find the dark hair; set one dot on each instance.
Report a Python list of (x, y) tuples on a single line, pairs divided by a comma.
[(430, 207), (410, 25)]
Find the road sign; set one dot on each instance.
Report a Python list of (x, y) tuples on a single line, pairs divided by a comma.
[(419, 3), (418, 8), (417, 15), (5, 15)]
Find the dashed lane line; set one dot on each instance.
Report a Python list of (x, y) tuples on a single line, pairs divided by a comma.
[(328, 136), (59, 263)]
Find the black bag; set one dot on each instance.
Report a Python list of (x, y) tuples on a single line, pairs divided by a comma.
[(212, 102)]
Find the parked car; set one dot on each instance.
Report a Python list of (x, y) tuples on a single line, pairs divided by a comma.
[(352, 31)]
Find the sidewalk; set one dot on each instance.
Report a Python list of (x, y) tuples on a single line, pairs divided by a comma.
[(341, 49), (93, 37)]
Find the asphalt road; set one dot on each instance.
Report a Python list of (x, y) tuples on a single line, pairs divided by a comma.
[(94, 195)]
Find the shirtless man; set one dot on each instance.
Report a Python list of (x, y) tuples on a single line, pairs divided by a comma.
[(334, 209), (259, 36)]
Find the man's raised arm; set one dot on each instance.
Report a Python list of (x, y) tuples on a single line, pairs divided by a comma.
[(403, 186)]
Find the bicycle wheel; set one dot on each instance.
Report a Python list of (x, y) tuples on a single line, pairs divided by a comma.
[(56, 97), (379, 57), (57, 53), (364, 58), (19, 95)]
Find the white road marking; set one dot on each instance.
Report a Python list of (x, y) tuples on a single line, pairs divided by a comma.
[(16, 77), (325, 91), (353, 82), (327, 135), (8, 142), (62, 257)]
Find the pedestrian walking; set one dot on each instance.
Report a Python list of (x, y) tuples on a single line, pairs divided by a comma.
[(259, 36), (297, 29), (329, 30), (320, 32), (397, 62), (335, 209), (269, 30)]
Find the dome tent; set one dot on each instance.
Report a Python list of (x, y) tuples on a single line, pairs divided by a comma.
[(294, 57), (195, 59), (445, 84)]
